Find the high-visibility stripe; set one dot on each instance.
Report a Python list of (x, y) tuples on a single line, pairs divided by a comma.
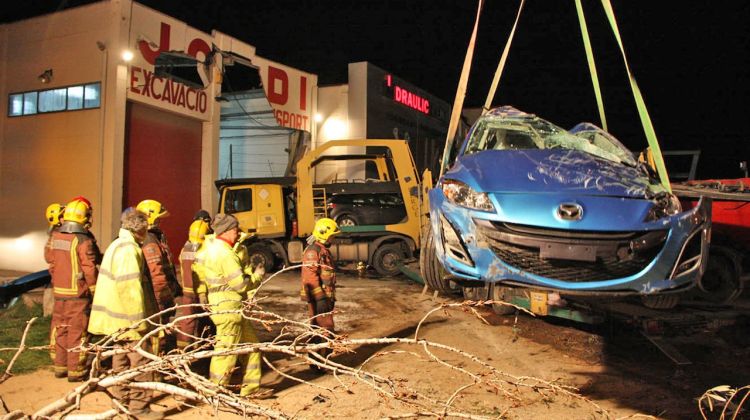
[(121, 277), (61, 245), (75, 272), (187, 256), (129, 317), (224, 279)]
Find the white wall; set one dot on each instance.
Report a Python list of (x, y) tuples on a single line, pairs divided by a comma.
[(53, 157)]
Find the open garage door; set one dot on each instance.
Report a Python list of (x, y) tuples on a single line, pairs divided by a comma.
[(163, 162)]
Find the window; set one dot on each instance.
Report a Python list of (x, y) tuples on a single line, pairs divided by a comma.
[(70, 98), (91, 95), (29, 103), (52, 100), (236, 201), (15, 104), (75, 97)]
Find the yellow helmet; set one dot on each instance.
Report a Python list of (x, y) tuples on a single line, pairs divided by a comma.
[(324, 229), (78, 210), (198, 230), (153, 209), (53, 213)]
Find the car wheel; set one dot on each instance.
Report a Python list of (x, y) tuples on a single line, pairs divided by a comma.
[(721, 282), (430, 268), (346, 220), (258, 254), (502, 294), (476, 293), (386, 259), (660, 301)]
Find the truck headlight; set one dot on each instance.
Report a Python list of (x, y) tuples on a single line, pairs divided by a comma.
[(461, 194), (665, 205)]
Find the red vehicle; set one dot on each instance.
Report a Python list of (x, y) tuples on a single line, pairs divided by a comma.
[(729, 261)]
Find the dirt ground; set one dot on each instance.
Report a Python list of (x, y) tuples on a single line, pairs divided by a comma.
[(611, 365)]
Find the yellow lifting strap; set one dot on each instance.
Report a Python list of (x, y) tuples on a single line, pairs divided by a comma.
[(501, 64), (458, 102), (592, 64), (648, 127)]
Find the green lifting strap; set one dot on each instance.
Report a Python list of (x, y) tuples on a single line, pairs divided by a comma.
[(501, 64), (592, 64), (458, 102), (648, 127)]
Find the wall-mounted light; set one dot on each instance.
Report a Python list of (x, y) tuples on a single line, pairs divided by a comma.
[(127, 56), (46, 76), (318, 117)]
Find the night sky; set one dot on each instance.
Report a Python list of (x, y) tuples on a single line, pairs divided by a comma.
[(690, 58)]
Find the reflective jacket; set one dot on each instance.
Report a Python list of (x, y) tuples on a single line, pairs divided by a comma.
[(124, 294), (318, 275), (161, 268), (200, 286), (228, 284), (189, 279), (73, 257)]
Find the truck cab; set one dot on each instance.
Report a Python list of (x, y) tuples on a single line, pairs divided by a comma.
[(282, 211)]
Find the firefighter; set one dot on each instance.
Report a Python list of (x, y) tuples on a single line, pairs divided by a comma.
[(158, 256), (186, 329), (229, 283), (318, 276), (53, 214), (125, 296), (74, 257)]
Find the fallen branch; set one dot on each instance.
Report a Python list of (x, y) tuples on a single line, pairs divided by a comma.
[(21, 348)]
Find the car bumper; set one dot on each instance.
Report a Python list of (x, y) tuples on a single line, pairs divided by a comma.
[(478, 246)]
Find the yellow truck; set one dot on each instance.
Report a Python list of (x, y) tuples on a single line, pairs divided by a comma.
[(281, 212)]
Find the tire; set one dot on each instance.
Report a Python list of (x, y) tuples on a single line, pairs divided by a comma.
[(346, 220), (502, 294), (476, 293), (386, 259), (430, 268), (721, 282), (260, 254), (668, 301)]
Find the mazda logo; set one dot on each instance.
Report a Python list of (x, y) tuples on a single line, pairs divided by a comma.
[(570, 211)]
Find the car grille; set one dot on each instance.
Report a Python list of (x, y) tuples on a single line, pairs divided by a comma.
[(619, 254)]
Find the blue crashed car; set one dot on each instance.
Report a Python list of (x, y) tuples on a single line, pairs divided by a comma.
[(529, 204)]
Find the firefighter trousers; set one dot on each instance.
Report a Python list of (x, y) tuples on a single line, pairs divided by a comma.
[(233, 329), (134, 398), (70, 319), (186, 328)]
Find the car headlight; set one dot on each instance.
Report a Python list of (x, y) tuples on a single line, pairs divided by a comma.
[(665, 205), (461, 194)]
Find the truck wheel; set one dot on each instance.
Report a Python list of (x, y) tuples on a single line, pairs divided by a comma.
[(660, 301), (502, 294), (721, 282), (258, 254), (386, 259), (431, 270)]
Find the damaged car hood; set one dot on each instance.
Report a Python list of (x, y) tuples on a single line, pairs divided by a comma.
[(551, 170)]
